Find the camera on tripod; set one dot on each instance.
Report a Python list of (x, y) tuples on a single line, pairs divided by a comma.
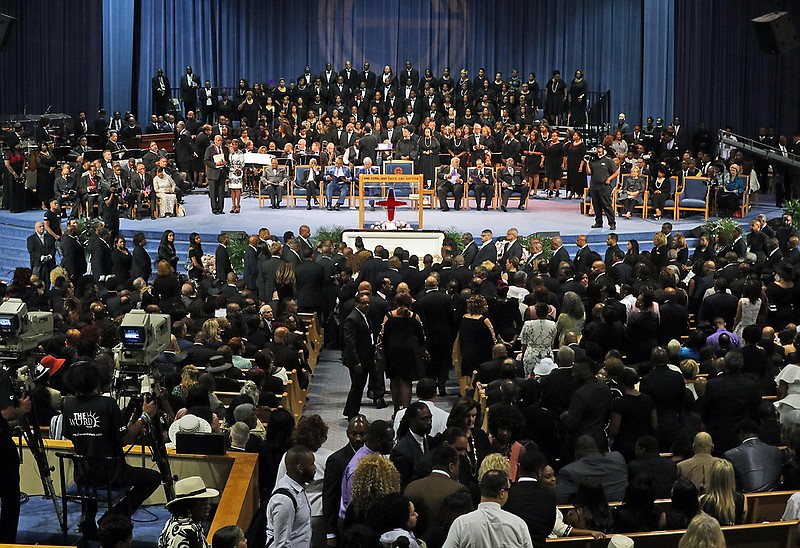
[(143, 337), (21, 331)]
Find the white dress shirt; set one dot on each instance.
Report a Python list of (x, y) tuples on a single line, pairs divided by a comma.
[(489, 525)]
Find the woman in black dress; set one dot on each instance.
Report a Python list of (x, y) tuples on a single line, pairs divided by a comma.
[(781, 294), (14, 177), (195, 256), (554, 164), (476, 335), (428, 157), (534, 159), (464, 415), (641, 332), (121, 260), (403, 343), (166, 287), (505, 316), (166, 249), (577, 100), (45, 175), (458, 146), (575, 150), (555, 98), (249, 109), (632, 416), (632, 253), (660, 189)]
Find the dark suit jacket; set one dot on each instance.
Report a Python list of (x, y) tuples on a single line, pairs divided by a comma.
[(189, 93), (267, 267), (621, 273), (358, 341), (36, 249), (290, 256), (435, 309), (199, 354), (405, 455), (101, 260), (332, 487), (469, 253), (610, 253), (487, 252), (443, 175), (513, 250), (718, 304), (428, 495), (505, 177), (558, 257), (222, 262), (756, 464), (213, 173), (310, 277), (141, 264), (536, 505), (728, 400), (609, 468), (251, 268), (674, 322)]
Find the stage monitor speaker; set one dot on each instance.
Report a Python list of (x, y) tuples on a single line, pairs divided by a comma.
[(697, 231), (775, 32), (6, 25)]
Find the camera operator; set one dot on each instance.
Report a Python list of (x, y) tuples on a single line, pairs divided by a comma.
[(94, 424), (10, 411), (604, 173)]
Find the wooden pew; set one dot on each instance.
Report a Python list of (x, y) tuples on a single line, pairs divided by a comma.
[(766, 506), (762, 535)]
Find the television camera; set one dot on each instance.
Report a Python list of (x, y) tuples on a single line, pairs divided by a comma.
[(21, 331), (143, 337)]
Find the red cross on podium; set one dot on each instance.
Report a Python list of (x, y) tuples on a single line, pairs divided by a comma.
[(390, 204)]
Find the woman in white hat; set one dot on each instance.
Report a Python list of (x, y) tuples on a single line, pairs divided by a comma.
[(189, 509)]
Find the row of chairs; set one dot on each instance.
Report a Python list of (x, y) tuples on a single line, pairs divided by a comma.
[(425, 196), (691, 194)]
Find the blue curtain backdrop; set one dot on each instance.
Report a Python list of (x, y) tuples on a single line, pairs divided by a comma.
[(721, 75), (118, 26), (263, 41), (53, 58)]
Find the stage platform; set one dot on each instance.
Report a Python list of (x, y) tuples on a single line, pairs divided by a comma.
[(554, 215)]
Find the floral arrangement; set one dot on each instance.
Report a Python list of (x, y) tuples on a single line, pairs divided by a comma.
[(209, 262), (391, 225)]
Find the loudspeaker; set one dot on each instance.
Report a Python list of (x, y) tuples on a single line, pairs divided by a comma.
[(775, 32), (6, 24)]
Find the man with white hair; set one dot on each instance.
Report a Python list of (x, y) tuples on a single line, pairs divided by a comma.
[(370, 189), (450, 180), (240, 434)]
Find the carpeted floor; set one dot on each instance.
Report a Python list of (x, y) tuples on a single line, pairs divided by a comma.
[(38, 524)]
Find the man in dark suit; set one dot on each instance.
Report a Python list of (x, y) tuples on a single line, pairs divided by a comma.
[(216, 160), (612, 243), (413, 440), (184, 149), (585, 257), (267, 267), (559, 255), (728, 399), (161, 93), (291, 252), (101, 256), (470, 248), (608, 468), (310, 277), (221, 258), (476, 144), (208, 102), (492, 370), (674, 317), (719, 304), (189, 85), (511, 247), (620, 272), (73, 256), (435, 309), (511, 182), (141, 263), (757, 465), (667, 389), (251, 263), (410, 72), (359, 352), (334, 470), (531, 500), (488, 250), (42, 252), (369, 78), (589, 409), (428, 493), (450, 180)]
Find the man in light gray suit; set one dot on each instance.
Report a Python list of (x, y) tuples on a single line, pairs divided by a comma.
[(216, 173), (275, 179)]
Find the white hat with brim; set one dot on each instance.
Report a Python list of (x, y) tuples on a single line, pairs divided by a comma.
[(620, 541), (189, 424), (544, 367), (192, 487)]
